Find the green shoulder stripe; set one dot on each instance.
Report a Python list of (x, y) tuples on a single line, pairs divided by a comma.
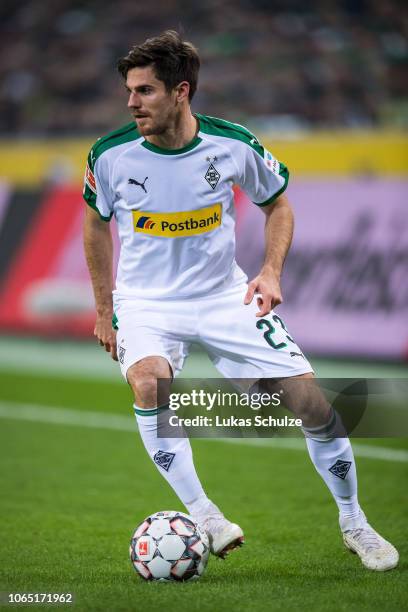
[(221, 127), (126, 133)]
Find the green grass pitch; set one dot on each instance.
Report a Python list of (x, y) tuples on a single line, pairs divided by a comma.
[(71, 496)]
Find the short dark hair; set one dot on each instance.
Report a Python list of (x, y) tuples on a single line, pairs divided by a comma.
[(173, 60)]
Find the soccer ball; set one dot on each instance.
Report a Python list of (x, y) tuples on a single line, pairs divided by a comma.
[(169, 546)]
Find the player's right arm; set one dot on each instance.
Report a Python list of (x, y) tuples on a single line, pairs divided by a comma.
[(99, 256), (98, 244)]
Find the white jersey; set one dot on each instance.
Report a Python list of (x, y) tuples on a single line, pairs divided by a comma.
[(175, 208)]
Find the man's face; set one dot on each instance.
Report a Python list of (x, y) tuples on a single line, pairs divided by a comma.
[(152, 106)]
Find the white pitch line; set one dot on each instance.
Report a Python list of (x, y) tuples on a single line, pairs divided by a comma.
[(116, 422)]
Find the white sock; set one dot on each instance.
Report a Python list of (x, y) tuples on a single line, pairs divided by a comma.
[(172, 457), (202, 508), (334, 460)]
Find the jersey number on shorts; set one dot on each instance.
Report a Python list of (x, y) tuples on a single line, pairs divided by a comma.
[(271, 330)]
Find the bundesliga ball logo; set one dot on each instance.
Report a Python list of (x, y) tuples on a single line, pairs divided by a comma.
[(169, 546)]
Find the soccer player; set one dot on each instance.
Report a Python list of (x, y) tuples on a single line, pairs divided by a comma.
[(167, 177)]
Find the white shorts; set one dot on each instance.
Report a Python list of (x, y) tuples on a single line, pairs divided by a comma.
[(239, 344)]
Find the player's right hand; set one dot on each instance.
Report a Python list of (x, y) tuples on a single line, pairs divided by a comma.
[(106, 335)]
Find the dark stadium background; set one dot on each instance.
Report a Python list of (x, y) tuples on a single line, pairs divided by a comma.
[(323, 86)]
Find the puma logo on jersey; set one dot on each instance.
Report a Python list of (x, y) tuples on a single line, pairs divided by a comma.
[(135, 182), (178, 224)]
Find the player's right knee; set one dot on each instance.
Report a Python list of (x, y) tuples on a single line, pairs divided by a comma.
[(142, 377)]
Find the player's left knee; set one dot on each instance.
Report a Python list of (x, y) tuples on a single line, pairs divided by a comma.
[(332, 428), (314, 415), (306, 400)]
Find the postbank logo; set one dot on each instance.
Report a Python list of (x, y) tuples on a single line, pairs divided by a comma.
[(177, 224), (145, 223)]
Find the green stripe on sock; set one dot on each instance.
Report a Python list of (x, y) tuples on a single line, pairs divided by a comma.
[(323, 429), (150, 411)]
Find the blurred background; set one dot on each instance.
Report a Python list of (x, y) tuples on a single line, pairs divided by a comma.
[(322, 84)]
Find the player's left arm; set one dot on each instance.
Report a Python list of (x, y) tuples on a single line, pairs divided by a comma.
[(278, 237)]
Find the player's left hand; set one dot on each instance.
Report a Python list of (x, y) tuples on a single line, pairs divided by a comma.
[(267, 285)]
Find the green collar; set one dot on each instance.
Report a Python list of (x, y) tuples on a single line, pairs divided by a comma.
[(152, 147)]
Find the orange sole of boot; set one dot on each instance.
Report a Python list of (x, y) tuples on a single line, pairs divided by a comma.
[(232, 546)]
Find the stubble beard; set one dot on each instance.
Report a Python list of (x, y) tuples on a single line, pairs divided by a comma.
[(154, 129), (159, 125)]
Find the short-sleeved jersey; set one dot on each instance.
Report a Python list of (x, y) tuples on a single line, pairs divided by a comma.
[(175, 208)]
